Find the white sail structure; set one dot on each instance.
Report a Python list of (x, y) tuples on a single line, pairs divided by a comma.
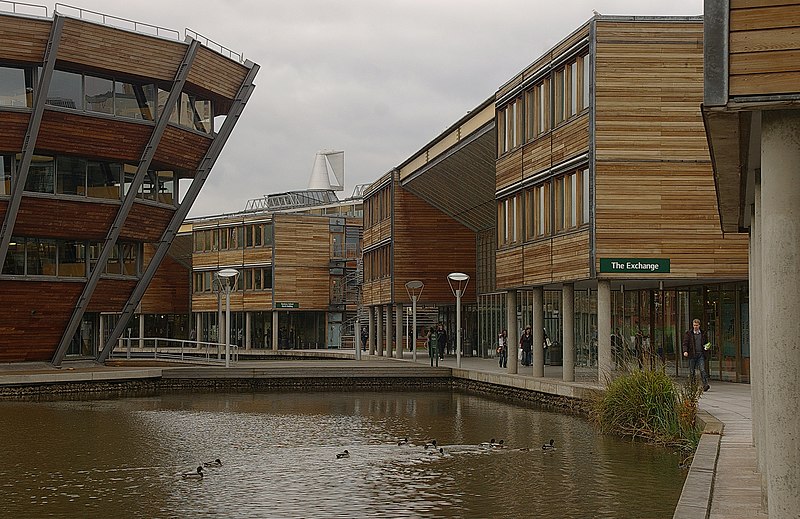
[(328, 171)]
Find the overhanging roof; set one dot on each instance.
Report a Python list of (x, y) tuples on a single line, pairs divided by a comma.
[(456, 171)]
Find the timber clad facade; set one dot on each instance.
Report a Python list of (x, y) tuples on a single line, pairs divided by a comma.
[(89, 206)]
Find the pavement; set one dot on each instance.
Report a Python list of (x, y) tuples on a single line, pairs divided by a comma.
[(722, 483)]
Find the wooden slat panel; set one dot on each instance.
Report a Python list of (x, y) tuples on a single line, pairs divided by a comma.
[(509, 86), (536, 156), (257, 256), (59, 218), (301, 265), (106, 48), (571, 139), (509, 268), (13, 126), (181, 148), (670, 211), (428, 245), (204, 302), (170, 290), (216, 73), (638, 117), (537, 264), (110, 295), (24, 39), (257, 300), (97, 137), (570, 257), (570, 40), (377, 233), (146, 222), (765, 84), (35, 314), (204, 260), (766, 40), (786, 15), (509, 169)]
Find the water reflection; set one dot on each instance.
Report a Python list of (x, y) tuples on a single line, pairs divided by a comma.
[(124, 457)]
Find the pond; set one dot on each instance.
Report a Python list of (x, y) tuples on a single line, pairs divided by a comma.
[(123, 457)]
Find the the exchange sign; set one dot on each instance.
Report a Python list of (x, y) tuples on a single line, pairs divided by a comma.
[(634, 265)]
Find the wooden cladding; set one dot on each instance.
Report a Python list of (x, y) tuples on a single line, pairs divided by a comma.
[(181, 149), (24, 39), (146, 222), (562, 258), (92, 137), (106, 48), (111, 295), (216, 73), (648, 90), (764, 48), (35, 314), (59, 218), (13, 126), (170, 290), (302, 256)]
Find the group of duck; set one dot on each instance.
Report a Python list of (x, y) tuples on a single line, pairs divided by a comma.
[(199, 474), (433, 448)]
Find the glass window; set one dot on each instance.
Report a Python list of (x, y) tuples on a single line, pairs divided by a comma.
[(585, 198), (166, 187), (113, 263), (94, 254), (16, 87), (257, 279), (99, 94), (129, 173), (586, 75), (5, 173), (573, 88), (129, 256), (223, 240), (149, 189), (135, 101), (41, 174), (268, 234), (195, 113), (72, 259), (71, 176), (40, 257), (248, 235), (102, 180), (65, 90), (15, 258), (163, 96), (258, 238)]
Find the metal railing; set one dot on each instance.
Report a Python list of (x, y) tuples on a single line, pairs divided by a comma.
[(173, 349), (116, 21), (211, 44), (22, 8)]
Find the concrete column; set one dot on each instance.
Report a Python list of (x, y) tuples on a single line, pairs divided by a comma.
[(756, 372), (389, 330), (141, 330), (398, 329), (605, 360), (198, 326), (274, 330), (247, 323), (379, 333), (538, 331), (512, 327), (371, 331), (101, 337), (780, 259), (568, 343)]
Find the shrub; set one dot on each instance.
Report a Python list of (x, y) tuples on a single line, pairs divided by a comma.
[(646, 403)]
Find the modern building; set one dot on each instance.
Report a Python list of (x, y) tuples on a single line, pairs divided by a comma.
[(106, 137), (298, 255), (750, 108)]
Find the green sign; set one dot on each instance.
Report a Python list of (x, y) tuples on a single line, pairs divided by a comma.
[(285, 304), (635, 265)]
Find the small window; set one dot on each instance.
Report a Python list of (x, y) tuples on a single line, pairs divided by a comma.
[(99, 94), (66, 90), (41, 174)]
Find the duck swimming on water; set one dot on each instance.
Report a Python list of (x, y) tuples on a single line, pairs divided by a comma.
[(344, 454), (548, 446), (215, 463), (431, 444), (194, 475)]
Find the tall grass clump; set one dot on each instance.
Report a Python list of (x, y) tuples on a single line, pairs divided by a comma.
[(646, 403)]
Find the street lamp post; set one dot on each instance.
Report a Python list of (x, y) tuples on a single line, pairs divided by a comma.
[(230, 276), (458, 284), (414, 289)]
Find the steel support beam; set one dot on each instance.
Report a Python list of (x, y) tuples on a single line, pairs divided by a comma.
[(29, 144), (203, 170), (127, 204)]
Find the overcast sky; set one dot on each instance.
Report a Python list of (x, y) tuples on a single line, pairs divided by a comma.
[(375, 78)]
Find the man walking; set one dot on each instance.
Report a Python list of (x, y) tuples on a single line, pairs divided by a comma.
[(695, 344)]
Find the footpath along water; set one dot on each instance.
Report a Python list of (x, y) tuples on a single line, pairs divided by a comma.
[(115, 457)]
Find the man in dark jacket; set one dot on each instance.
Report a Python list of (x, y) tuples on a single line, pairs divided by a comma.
[(695, 344), (526, 343), (444, 344)]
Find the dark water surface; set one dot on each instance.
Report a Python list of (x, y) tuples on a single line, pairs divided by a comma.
[(122, 457)]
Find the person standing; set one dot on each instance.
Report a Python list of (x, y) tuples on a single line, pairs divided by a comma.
[(695, 344), (526, 343), (443, 344), (364, 339), (502, 349), (433, 342)]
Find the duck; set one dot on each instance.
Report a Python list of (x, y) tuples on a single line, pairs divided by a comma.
[(344, 454), (402, 441), (194, 475), (432, 443), (501, 444), (548, 446), (439, 452), (488, 444), (215, 463)]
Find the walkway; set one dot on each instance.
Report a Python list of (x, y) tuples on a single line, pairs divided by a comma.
[(730, 474)]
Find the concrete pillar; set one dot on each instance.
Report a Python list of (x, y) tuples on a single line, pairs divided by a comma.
[(568, 342), (512, 327), (389, 331), (398, 329), (756, 344), (274, 330), (605, 360), (379, 334), (102, 335), (538, 331), (780, 259), (198, 326), (141, 330), (371, 331), (247, 324)]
